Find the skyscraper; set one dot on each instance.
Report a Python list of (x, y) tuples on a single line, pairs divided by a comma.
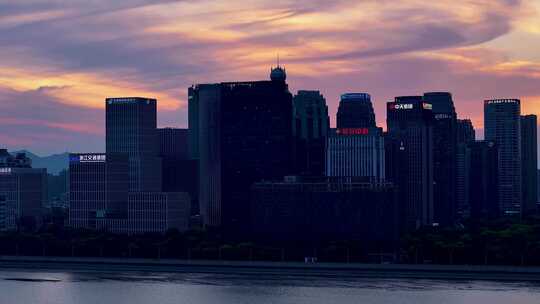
[(173, 143), (180, 171), (503, 126), (245, 136), (193, 123), (310, 128), (529, 158), (444, 156), (131, 128), (466, 132), (409, 157), (482, 161), (538, 185), (465, 135), (3, 213), (355, 111)]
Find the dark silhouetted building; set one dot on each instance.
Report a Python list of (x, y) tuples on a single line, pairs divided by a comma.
[(466, 132), (25, 193), (317, 210), (23, 190), (193, 135), (180, 172), (465, 135), (483, 159), (99, 185), (529, 159), (131, 128), (193, 122), (3, 213), (445, 149), (409, 158), (174, 152), (20, 160), (538, 199), (356, 152), (355, 111), (502, 120), (155, 212), (173, 143), (245, 136), (310, 128)]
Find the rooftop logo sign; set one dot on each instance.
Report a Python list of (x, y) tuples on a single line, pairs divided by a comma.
[(401, 106), (5, 171), (500, 101), (88, 158)]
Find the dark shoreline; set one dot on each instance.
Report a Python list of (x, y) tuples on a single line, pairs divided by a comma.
[(328, 270)]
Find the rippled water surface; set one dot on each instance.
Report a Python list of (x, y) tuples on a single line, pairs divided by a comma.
[(144, 288)]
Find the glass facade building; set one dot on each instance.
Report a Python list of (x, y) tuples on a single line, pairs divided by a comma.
[(502, 120)]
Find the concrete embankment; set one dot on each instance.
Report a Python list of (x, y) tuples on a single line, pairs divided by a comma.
[(335, 270)]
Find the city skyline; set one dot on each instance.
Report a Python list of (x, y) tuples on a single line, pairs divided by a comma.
[(61, 59), (284, 151)]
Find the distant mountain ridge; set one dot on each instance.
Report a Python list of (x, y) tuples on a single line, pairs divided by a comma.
[(54, 163)]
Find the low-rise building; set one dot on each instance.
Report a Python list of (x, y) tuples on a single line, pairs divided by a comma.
[(326, 209)]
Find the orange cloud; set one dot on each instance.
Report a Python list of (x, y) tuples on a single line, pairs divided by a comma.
[(81, 89), (72, 127), (530, 105)]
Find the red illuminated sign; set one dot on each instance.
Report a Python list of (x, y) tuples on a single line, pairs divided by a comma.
[(353, 131)]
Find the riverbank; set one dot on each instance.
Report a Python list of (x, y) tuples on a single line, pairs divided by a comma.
[(444, 272)]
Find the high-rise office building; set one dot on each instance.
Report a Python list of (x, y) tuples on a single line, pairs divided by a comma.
[(310, 128), (502, 119), (529, 159), (193, 122), (465, 135), (131, 128), (465, 131), (180, 172), (409, 157), (355, 111), (245, 136), (356, 152), (538, 198), (445, 149), (482, 161), (98, 185), (173, 143), (3, 213), (174, 151)]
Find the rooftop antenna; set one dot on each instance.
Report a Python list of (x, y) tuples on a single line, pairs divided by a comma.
[(278, 60)]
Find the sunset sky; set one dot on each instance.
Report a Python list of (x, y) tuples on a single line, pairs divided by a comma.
[(60, 59)]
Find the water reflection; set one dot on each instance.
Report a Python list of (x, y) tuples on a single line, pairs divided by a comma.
[(135, 288)]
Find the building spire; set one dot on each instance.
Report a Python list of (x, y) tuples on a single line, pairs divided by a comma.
[(278, 73)]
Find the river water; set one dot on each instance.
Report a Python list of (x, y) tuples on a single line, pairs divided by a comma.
[(147, 288)]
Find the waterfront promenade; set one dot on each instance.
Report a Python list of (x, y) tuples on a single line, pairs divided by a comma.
[(444, 272)]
